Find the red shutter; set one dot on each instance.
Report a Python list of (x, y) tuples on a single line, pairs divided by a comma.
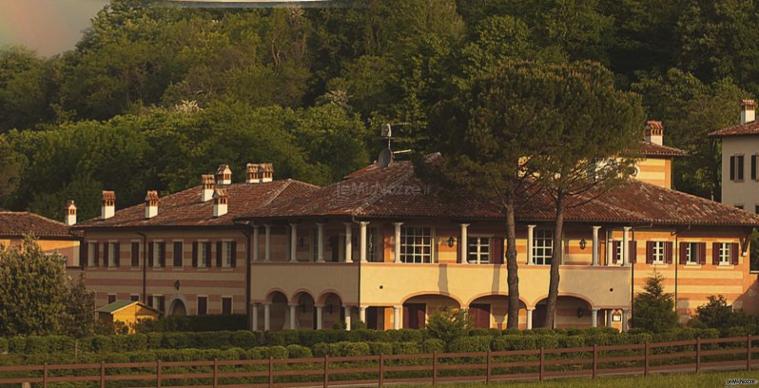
[(497, 250), (106, 254), (150, 254), (83, 254), (118, 255), (97, 254), (218, 254), (715, 253), (633, 251), (702, 253), (162, 254), (234, 254), (668, 252), (649, 252), (683, 253), (734, 253)]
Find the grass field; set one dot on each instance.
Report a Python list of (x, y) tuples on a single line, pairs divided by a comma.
[(706, 379)]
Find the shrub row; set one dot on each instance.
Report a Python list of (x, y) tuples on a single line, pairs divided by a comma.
[(478, 340), (195, 323)]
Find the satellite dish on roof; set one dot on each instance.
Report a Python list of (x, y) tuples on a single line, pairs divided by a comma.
[(385, 157)]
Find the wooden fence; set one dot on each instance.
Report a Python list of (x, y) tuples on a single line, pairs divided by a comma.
[(735, 353)]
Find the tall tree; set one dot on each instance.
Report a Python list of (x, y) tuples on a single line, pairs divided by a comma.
[(585, 126), (655, 309)]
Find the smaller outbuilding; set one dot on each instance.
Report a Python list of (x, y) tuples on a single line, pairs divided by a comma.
[(127, 312)]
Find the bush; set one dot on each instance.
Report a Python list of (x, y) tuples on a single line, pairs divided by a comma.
[(654, 310), (448, 325), (470, 344), (298, 351), (194, 323), (377, 348), (433, 345), (130, 343), (514, 342), (17, 344), (717, 314), (406, 347), (3, 345)]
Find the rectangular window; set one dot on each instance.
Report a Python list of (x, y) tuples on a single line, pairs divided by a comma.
[(158, 302), (542, 247), (156, 257), (135, 254), (657, 252), (691, 253), (226, 305), (178, 254), (111, 298), (478, 249), (92, 252), (416, 244), (227, 254), (113, 254), (202, 305), (204, 254), (134, 297), (724, 253)]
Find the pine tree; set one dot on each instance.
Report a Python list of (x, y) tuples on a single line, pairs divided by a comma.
[(654, 310)]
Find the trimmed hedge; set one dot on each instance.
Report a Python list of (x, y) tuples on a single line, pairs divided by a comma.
[(195, 323)]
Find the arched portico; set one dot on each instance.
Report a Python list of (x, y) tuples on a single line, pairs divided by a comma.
[(302, 308), (276, 311), (571, 311), (418, 308), (491, 311)]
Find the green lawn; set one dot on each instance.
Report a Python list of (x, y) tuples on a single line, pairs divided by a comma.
[(706, 379)]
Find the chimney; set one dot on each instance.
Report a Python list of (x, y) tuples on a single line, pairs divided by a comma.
[(151, 204), (208, 186), (223, 175), (259, 172), (70, 218), (654, 132), (109, 205), (220, 202), (748, 110)]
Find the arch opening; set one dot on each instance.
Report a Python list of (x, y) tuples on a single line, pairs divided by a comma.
[(571, 312), (491, 311), (417, 309)]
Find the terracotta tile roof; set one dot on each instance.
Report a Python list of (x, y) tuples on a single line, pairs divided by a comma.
[(747, 129), (651, 149), (185, 208), (18, 224), (395, 192)]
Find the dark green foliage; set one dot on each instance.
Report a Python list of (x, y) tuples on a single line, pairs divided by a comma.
[(298, 351), (470, 344), (717, 314), (448, 325), (194, 323), (79, 321), (654, 310)]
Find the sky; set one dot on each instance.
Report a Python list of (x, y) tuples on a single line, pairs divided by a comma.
[(46, 26)]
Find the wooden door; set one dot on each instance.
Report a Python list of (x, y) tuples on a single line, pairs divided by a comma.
[(480, 314), (414, 315)]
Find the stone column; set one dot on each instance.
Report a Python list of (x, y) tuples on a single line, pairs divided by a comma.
[(397, 243), (255, 243), (609, 248), (254, 317), (348, 242), (362, 240), (626, 246), (267, 317), (463, 243), (594, 317), (347, 317), (596, 246), (530, 242), (293, 243), (293, 316), (319, 242), (397, 324), (319, 314), (267, 242), (529, 318), (362, 314)]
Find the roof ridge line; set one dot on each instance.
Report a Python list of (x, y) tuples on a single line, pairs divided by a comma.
[(278, 193)]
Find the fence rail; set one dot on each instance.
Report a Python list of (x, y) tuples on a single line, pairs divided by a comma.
[(697, 355)]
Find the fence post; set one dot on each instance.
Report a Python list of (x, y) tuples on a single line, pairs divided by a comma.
[(488, 368), (645, 358), (434, 368), (381, 379), (326, 371), (44, 375), (698, 354), (271, 371), (215, 373), (595, 361), (748, 352), (158, 373), (542, 358), (102, 374)]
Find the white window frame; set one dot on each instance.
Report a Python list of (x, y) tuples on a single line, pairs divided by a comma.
[(690, 253), (542, 253), (657, 255), (155, 301), (156, 253), (409, 244), (724, 253), (231, 304), (475, 241)]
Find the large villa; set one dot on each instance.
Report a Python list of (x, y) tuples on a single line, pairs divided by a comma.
[(386, 248)]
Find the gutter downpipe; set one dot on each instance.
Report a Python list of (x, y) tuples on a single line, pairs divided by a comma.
[(144, 267)]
